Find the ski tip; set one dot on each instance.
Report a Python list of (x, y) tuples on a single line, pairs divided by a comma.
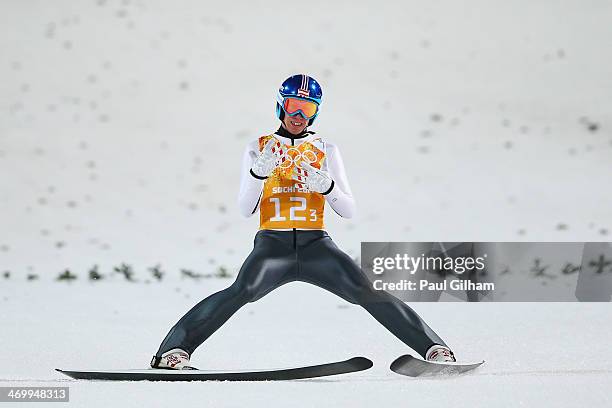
[(363, 362), (398, 362)]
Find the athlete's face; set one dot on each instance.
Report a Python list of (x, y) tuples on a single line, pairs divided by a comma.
[(295, 124)]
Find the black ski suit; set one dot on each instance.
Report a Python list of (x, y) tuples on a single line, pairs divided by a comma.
[(279, 257)]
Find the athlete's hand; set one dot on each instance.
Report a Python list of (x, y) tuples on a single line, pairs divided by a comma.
[(311, 177), (265, 162)]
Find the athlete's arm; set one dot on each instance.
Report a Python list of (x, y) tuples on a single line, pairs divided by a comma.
[(340, 198), (250, 186)]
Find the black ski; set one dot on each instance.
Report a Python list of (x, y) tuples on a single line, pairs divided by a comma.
[(415, 367), (339, 367)]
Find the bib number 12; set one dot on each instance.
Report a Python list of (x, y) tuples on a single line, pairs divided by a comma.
[(292, 215)]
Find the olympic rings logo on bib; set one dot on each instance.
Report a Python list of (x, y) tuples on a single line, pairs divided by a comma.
[(292, 156)]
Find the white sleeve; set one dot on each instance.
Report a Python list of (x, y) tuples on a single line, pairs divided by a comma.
[(250, 187), (340, 198)]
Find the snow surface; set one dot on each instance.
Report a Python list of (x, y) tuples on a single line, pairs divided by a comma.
[(537, 354), (122, 125)]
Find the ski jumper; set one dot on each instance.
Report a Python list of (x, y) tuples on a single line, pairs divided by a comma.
[(292, 245)]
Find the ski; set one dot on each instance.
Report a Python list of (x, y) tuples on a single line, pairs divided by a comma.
[(322, 370), (415, 367)]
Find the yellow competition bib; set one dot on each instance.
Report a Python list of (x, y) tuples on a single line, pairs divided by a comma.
[(285, 205)]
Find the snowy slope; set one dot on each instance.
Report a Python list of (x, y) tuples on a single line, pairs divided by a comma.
[(123, 123), (544, 354)]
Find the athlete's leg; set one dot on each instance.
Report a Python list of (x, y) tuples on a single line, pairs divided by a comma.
[(269, 265), (323, 264)]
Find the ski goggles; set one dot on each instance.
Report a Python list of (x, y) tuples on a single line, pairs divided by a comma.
[(293, 106)]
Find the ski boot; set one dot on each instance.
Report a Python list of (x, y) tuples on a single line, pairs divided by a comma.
[(175, 359), (440, 354)]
